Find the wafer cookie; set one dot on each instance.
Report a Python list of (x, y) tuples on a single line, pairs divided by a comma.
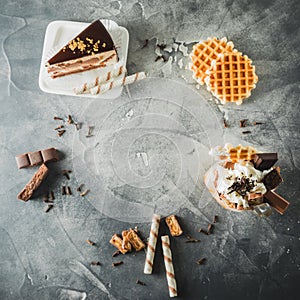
[(204, 53), (151, 244), (231, 77)]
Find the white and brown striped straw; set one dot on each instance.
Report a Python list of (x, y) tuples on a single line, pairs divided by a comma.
[(85, 87), (169, 266), (102, 88), (152, 244)]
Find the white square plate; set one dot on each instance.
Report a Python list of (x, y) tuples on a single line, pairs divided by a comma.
[(58, 34)]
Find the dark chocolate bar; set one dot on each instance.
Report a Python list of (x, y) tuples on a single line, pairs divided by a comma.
[(276, 201), (264, 161), (36, 158), (34, 183), (272, 179)]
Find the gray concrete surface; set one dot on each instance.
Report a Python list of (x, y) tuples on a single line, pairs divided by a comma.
[(148, 154)]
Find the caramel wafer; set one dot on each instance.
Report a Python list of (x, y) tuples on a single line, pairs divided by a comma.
[(231, 77), (204, 53)]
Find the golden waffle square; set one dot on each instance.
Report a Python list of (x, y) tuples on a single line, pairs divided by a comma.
[(240, 152), (231, 77), (204, 53)]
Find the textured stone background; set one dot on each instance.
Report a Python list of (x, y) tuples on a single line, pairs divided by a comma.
[(44, 256)]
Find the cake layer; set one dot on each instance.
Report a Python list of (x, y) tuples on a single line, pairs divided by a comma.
[(83, 64)]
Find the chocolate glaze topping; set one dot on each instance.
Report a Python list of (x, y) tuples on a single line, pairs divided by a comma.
[(92, 40)]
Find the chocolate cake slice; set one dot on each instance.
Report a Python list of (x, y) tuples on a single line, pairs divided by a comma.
[(92, 48)]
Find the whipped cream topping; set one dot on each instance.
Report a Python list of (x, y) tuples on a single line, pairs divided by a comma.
[(235, 185)]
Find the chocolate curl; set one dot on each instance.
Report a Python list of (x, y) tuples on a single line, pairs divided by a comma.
[(84, 88), (118, 82), (169, 266), (152, 244)]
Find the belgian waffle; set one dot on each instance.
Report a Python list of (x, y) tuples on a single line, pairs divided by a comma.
[(231, 77), (204, 53)]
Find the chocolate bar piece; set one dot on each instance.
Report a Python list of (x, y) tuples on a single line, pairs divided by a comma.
[(34, 183), (118, 243), (276, 201), (36, 158), (132, 237), (264, 161), (272, 179), (173, 225)]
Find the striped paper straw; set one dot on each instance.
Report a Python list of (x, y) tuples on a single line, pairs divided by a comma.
[(169, 266), (152, 244), (102, 88), (84, 88)]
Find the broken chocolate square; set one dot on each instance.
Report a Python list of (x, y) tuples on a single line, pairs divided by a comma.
[(272, 179), (264, 161)]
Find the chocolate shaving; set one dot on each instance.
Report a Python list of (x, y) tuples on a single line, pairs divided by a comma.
[(84, 193), (145, 44), (78, 126), (117, 263), (95, 263), (59, 127), (225, 124), (215, 219), (61, 132), (210, 229), (191, 239), (201, 261), (140, 282), (63, 190), (243, 122), (49, 206), (246, 132), (68, 191), (58, 118), (116, 253), (242, 186), (258, 123), (70, 119), (90, 242)]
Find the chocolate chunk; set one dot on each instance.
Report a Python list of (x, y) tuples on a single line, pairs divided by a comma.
[(34, 183), (264, 161), (276, 201), (272, 179), (22, 161), (50, 154), (35, 158)]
